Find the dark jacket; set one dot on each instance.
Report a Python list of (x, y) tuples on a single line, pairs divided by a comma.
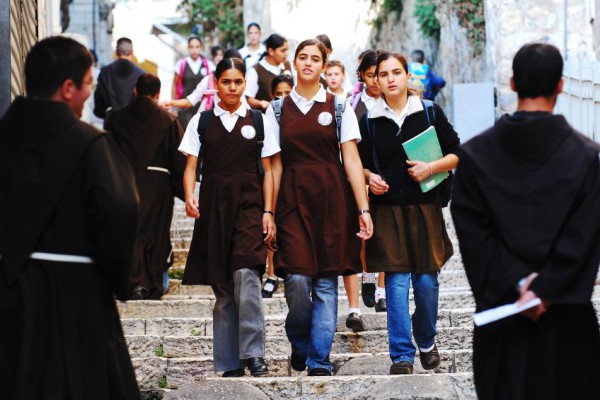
[(115, 86), (387, 138)]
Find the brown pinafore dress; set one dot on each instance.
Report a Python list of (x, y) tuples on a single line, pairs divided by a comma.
[(316, 212), (190, 81), (265, 78), (228, 235)]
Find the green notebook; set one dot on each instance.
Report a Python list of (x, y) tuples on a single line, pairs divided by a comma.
[(426, 147)]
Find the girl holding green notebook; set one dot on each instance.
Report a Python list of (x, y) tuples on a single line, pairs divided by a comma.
[(410, 243)]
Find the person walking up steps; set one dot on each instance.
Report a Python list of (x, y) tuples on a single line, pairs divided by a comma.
[(68, 217), (410, 242), (319, 223), (234, 219)]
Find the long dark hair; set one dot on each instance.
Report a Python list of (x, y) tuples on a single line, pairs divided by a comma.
[(229, 63), (386, 55), (274, 42), (369, 59)]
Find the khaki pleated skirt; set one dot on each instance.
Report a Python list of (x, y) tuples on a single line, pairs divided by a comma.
[(408, 239)]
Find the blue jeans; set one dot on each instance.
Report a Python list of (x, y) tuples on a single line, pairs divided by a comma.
[(426, 291), (311, 322)]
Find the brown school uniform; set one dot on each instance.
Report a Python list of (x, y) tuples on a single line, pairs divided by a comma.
[(316, 211), (228, 235), (264, 81), (190, 81)]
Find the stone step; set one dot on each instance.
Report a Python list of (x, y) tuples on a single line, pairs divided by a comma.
[(147, 346), (181, 371), (401, 387), (274, 324), (202, 307)]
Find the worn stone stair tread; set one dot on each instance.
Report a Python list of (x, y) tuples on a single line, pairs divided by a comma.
[(179, 371), (422, 386), (275, 323), (344, 342)]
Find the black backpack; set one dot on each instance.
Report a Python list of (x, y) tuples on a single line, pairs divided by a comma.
[(260, 138)]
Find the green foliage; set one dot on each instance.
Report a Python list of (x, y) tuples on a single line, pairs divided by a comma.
[(159, 351), (222, 19), (425, 14), (176, 273), (471, 17), (162, 382), (387, 7), (197, 332)]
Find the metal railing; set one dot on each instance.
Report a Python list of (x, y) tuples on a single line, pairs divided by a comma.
[(580, 100)]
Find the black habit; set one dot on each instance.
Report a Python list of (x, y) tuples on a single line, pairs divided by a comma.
[(149, 137), (66, 189), (527, 199)]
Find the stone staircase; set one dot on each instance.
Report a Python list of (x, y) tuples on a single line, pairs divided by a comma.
[(170, 342)]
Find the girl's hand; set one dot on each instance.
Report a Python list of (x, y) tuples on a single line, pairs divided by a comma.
[(419, 171), (377, 185), (268, 224), (366, 226), (192, 208)]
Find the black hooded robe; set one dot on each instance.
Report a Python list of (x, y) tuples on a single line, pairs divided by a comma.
[(65, 189), (527, 199), (149, 137)]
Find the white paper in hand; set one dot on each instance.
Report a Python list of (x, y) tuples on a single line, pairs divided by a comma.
[(495, 314)]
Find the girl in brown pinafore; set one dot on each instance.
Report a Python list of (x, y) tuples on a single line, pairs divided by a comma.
[(234, 220), (316, 208), (189, 71)]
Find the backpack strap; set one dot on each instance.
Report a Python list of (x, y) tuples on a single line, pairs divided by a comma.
[(428, 106), (257, 120), (202, 125), (210, 98), (354, 100), (372, 137), (277, 105), (340, 106), (205, 65), (179, 88)]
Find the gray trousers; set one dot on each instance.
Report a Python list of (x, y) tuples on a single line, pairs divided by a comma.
[(238, 321)]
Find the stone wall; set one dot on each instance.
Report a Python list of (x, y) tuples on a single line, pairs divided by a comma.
[(509, 25)]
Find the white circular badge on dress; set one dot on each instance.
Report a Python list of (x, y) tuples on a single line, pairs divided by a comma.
[(325, 118), (248, 131)]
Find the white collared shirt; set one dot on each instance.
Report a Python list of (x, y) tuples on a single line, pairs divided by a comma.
[(252, 76), (381, 109), (190, 144), (349, 128), (251, 57), (194, 66), (367, 100)]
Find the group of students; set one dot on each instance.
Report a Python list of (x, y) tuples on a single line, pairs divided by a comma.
[(289, 177)]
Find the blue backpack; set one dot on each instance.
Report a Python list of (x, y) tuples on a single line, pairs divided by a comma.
[(419, 79)]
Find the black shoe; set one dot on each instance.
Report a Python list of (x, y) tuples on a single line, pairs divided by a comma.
[(355, 323), (257, 366), (430, 359), (298, 361), (236, 373), (269, 288), (401, 368), (381, 305), (367, 290), (319, 372), (139, 293)]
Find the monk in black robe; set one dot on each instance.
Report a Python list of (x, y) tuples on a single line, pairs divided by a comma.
[(68, 214), (526, 207), (149, 137)]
